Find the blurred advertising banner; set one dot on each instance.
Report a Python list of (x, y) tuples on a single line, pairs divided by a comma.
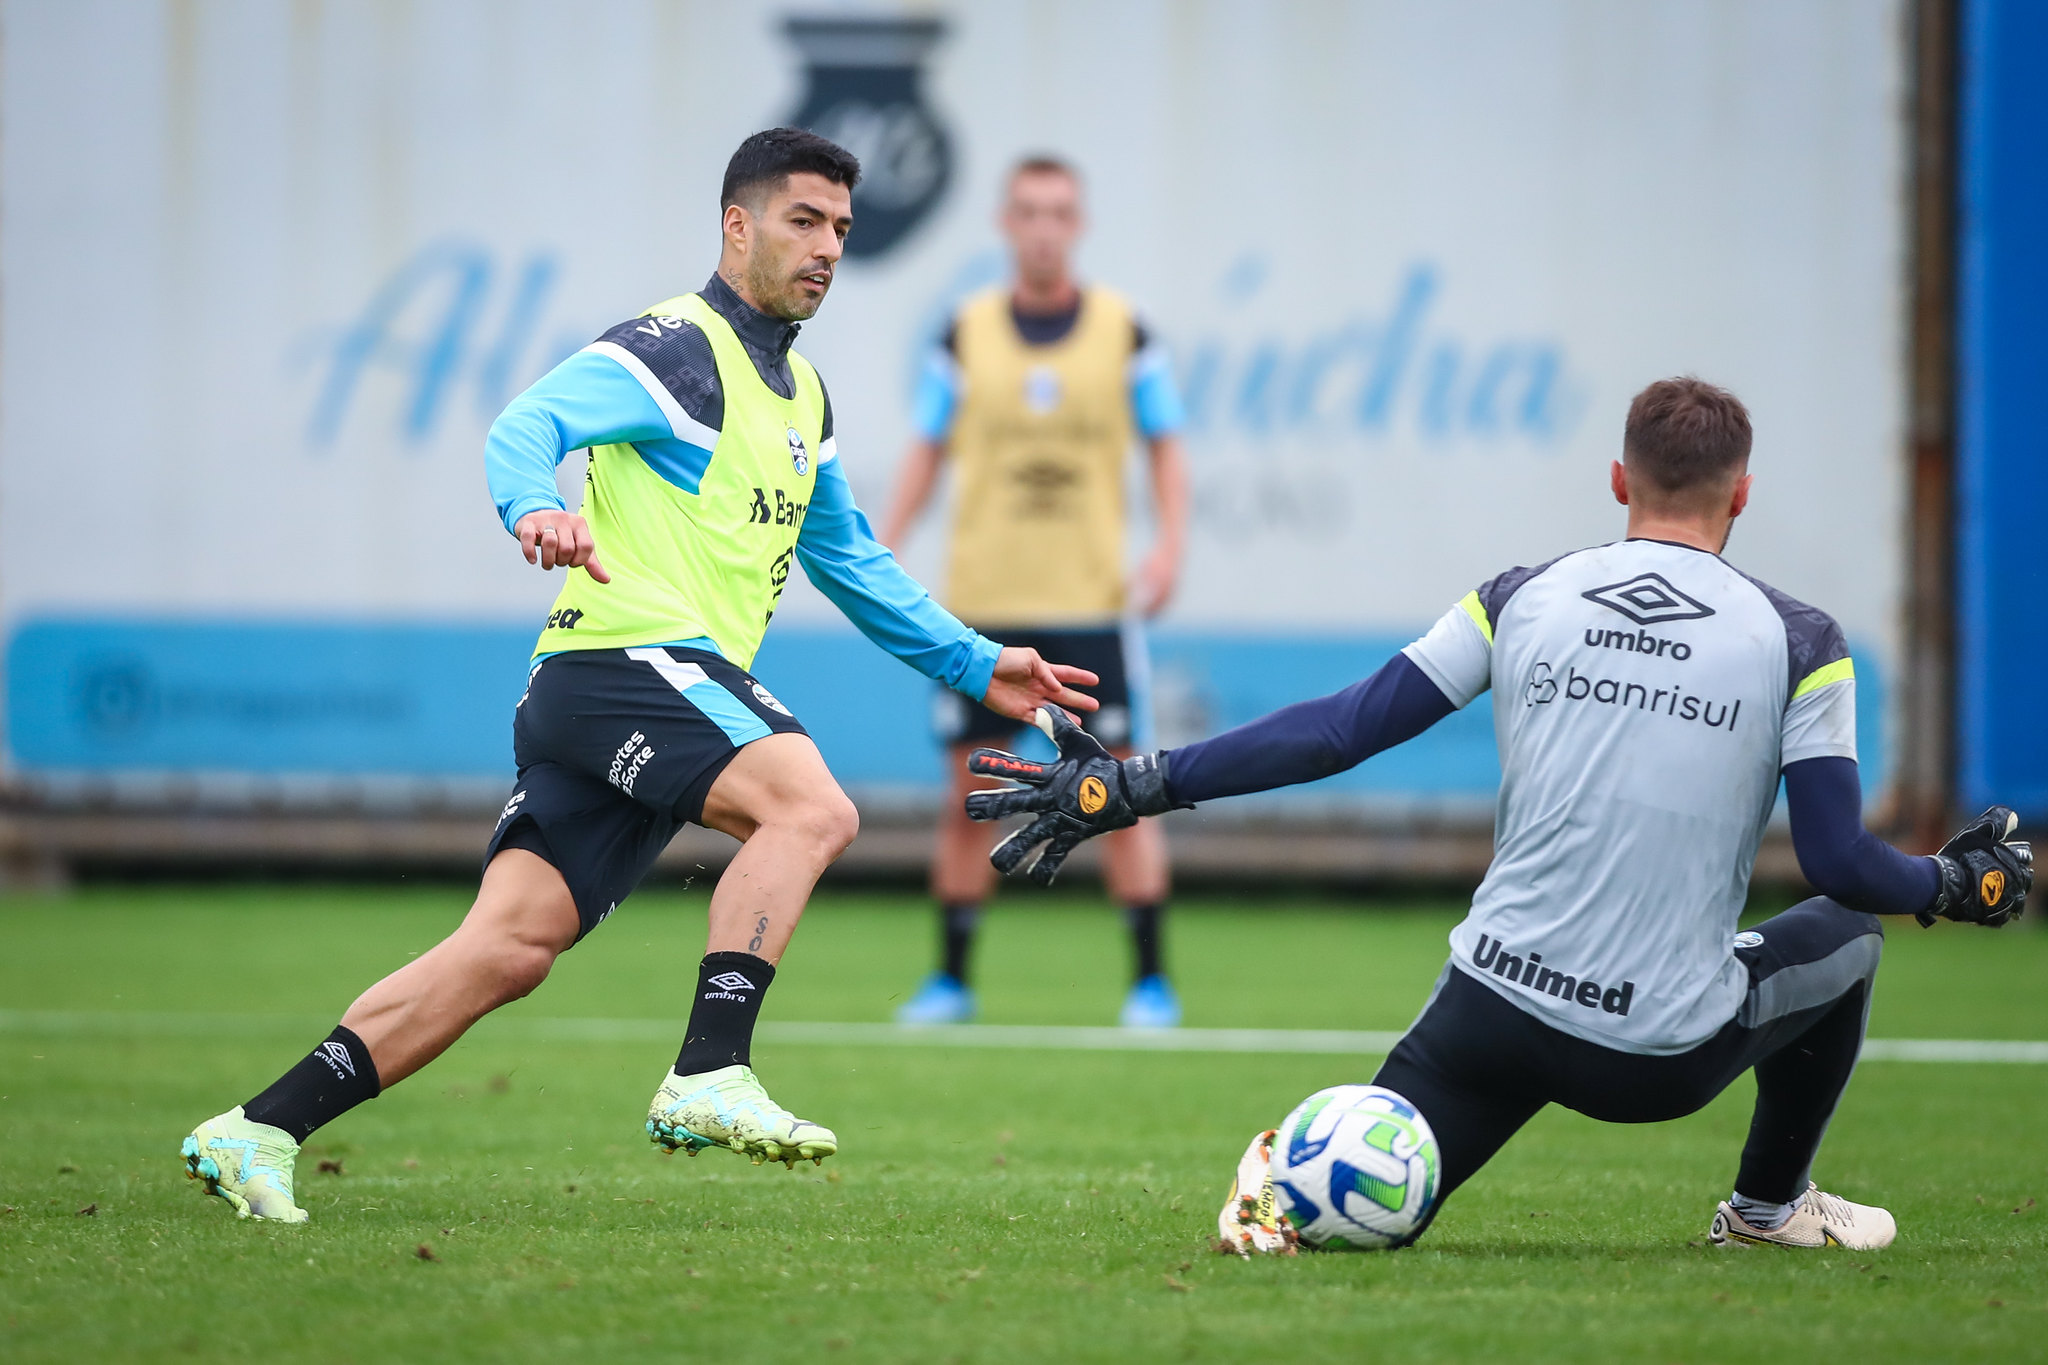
[(267, 272)]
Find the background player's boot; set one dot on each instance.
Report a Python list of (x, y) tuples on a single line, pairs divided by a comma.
[(1151, 1004), (942, 999), (1250, 1224), (247, 1164), (728, 1108), (1820, 1219)]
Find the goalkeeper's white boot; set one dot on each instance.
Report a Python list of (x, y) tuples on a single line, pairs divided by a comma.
[(1250, 1224), (728, 1108), (248, 1164), (1819, 1219)]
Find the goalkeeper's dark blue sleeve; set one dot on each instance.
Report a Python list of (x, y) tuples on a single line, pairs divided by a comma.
[(1844, 861), (1311, 739)]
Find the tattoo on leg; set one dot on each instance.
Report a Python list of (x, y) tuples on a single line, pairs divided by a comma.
[(760, 932)]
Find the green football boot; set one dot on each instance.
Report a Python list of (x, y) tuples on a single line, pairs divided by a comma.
[(728, 1108), (248, 1164)]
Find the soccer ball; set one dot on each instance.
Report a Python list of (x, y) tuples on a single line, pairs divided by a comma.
[(1355, 1167)]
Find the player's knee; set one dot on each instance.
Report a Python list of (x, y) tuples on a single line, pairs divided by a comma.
[(826, 822), (519, 966)]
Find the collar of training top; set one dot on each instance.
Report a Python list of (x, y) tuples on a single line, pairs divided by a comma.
[(1045, 329), (771, 336)]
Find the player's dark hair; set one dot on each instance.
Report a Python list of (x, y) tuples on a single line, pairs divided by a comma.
[(1045, 163), (1685, 434), (767, 160)]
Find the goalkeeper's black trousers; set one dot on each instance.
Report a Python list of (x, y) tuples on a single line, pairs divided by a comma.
[(1479, 1068)]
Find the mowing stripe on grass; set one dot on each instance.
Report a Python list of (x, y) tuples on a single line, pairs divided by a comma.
[(1040, 1037)]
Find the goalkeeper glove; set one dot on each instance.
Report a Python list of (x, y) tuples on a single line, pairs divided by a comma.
[(1085, 793), (1985, 873)]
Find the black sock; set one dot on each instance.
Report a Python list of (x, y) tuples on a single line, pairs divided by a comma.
[(957, 924), (1144, 921), (329, 1081), (730, 987)]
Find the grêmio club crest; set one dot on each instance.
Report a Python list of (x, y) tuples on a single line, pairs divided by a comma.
[(864, 90)]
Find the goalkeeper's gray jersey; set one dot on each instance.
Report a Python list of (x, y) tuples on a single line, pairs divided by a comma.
[(1646, 696)]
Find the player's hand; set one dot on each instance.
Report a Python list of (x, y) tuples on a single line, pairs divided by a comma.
[(1023, 682), (1085, 793), (552, 538), (1158, 576), (1985, 873)]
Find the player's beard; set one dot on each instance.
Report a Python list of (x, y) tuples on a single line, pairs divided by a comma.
[(781, 291)]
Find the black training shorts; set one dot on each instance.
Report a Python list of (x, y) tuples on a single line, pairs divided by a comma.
[(617, 749), (1479, 1067), (1115, 655)]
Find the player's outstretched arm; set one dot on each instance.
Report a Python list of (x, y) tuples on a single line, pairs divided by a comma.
[(1981, 876), (1087, 792), (1311, 740), (843, 559), (1841, 859)]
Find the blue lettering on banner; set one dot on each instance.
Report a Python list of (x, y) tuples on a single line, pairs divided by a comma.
[(454, 316), (433, 325), (1366, 372), (1375, 371)]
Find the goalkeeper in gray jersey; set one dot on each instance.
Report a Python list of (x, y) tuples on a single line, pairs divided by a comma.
[(1648, 696)]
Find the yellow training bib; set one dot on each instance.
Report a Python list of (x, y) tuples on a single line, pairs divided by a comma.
[(710, 563), (1038, 449)]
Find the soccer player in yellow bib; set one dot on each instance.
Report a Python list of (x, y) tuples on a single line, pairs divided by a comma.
[(712, 465), (1036, 397)]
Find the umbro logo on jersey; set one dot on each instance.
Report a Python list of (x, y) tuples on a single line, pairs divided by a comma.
[(336, 1056), (1648, 599)]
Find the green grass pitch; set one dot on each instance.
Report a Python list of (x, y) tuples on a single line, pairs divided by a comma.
[(988, 1205)]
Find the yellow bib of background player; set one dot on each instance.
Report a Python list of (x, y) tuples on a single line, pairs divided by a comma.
[(1038, 449), (706, 564)]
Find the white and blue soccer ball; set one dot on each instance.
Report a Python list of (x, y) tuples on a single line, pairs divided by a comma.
[(1355, 1167)]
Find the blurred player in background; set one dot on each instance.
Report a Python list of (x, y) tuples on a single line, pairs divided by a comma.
[(712, 465), (1648, 697), (1035, 395)]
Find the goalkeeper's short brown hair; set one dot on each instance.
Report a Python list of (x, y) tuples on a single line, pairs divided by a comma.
[(1685, 435)]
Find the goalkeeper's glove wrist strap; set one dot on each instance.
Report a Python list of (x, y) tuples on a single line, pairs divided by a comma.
[(1952, 885), (1145, 786)]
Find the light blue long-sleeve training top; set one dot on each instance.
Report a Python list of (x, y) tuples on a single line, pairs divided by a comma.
[(671, 410)]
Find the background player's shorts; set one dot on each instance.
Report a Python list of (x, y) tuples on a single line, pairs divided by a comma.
[(617, 749), (1114, 654)]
